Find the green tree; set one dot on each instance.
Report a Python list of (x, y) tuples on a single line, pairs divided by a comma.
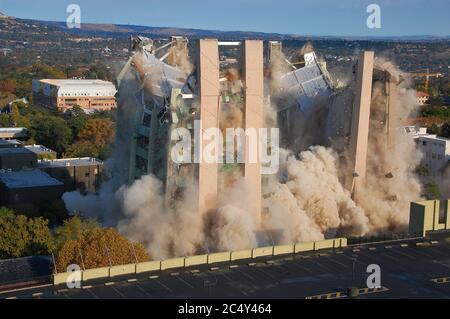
[(432, 190), (22, 236), (93, 139), (51, 131), (76, 119), (74, 228), (445, 131)]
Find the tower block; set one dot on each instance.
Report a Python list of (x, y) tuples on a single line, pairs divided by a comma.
[(209, 91), (253, 77), (360, 120)]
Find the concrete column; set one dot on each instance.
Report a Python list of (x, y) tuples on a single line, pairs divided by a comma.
[(360, 119), (392, 116), (252, 74), (208, 84)]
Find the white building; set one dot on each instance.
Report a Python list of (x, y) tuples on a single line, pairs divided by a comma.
[(64, 94), (436, 151), (414, 131)]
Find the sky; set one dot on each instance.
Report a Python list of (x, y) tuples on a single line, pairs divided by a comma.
[(301, 17)]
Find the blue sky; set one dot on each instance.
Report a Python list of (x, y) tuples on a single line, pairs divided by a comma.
[(303, 17)]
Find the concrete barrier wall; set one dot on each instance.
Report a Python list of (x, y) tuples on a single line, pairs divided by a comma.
[(262, 251), (157, 265), (196, 260), (95, 273), (241, 254), (283, 249), (122, 270), (172, 263), (324, 244), (148, 266), (61, 278), (219, 257), (308, 246)]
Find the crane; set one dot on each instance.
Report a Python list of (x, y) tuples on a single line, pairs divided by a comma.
[(427, 76)]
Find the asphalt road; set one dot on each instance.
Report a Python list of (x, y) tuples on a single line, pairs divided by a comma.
[(407, 271)]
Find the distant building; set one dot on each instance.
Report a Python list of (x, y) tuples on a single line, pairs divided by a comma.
[(422, 98), (436, 152), (17, 158), (414, 131), (83, 174), (41, 151), (24, 190), (10, 143), (12, 132), (64, 94)]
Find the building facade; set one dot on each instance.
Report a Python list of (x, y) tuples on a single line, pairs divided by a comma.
[(24, 190), (83, 174), (64, 94), (436, 152), (422, 98)]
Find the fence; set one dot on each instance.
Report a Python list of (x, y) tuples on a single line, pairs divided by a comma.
[(182, 262)]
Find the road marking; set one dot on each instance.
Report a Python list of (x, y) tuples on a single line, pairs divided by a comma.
[(339, 263), (442, 280), (12, 297), (434, 242), (388, 247), (64, 290), (270, 262), (372, 248), (234, 266), (153, 277), (132, 280), (214, 268), (195, 271), (143, 290), (265, 272), (37, 294), (86, 287), (110, 283), (404, 245), (251, 264), (185, 282), (356, 250), (174, 273), (248, 276), (302, 267), (339, 295), (26, 288), (120, 294), (92, 293), (160, 283)]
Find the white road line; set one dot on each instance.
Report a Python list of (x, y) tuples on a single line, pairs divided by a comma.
[(185, 282)]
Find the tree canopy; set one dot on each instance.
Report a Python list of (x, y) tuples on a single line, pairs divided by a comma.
[(99, 247), (22, 236)]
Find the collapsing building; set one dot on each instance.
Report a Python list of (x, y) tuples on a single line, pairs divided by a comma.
[(174, 95), (171, 98)]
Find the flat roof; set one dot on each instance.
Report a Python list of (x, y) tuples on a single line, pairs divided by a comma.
[(14, 151), (10, 143), (12, 129), (27, 178), (39, 149), (65, 162), (74, 82)]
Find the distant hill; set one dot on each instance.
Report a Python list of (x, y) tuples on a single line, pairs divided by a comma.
[(92, 29)]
